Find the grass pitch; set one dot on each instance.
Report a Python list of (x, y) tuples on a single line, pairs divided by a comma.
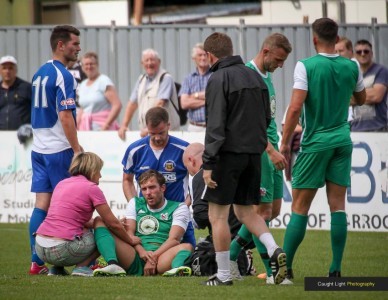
[(366, 255)]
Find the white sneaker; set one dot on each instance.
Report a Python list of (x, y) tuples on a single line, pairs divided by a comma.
[(269, 280), (110, 270), (234, 271), (286, 281)]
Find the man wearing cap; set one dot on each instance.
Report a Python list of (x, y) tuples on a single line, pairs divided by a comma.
[(15, 96)]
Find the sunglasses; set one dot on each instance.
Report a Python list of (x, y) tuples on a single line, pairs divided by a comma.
[(365, 51)]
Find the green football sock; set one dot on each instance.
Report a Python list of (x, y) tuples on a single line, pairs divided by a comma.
[(295, 232), (105, 243), (242, 238), (263, 253), (180, 257), (338, 232)]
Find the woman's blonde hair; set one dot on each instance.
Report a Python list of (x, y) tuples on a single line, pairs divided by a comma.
[(86, 164)]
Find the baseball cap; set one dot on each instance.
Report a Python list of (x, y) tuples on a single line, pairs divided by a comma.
[(8, 59)]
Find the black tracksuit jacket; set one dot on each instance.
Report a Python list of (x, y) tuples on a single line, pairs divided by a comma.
[(237, 111)]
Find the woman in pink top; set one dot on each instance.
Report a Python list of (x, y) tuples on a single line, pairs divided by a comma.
[(64, 238)]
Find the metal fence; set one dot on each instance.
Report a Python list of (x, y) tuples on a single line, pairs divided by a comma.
[(119, 49)]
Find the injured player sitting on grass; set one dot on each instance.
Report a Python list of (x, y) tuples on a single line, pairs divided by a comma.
[(160, 225)]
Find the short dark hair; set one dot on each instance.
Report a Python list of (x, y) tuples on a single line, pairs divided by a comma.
[(147, 175), (278, 40), (326, 29), (363, 42), (156, 115), (219, 44), (62, 33)]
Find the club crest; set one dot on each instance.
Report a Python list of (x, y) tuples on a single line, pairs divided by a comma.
[(169, 165)]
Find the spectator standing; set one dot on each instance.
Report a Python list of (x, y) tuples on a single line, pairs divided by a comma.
[(160, 225), (231, 160), (344, 47), (161, 152), (100, 104), (323, 86), (15, 96), (53, 122), (64, 238), (372, 116), (192, 92), (272, 55), (153, 88)]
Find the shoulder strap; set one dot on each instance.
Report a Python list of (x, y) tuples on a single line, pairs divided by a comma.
[(172, 102), (141, 77)]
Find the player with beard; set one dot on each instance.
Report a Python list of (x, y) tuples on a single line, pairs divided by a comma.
[(162, 152)]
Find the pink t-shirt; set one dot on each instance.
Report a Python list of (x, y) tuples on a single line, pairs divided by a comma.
[(72, 205)]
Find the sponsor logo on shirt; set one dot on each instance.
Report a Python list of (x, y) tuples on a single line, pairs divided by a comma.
[(273, 106), (144, 167), (170, 177), (148, 225), (68, 102)]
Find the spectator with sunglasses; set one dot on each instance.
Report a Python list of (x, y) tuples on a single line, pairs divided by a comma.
[(372, 116)]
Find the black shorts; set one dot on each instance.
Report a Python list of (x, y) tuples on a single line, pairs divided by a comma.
[(238, 180)]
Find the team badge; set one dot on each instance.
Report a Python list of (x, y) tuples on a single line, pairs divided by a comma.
[(164, 216), (148, 225), (263, 192), (169, 165)]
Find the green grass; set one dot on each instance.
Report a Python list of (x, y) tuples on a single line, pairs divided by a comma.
[(365, 256)]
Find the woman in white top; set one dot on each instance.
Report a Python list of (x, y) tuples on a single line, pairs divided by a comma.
[(98, 98)]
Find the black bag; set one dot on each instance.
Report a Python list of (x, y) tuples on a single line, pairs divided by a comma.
[(182, 113), (203, 260)]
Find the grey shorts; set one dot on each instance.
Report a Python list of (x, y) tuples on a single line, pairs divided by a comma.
[(69, 253)]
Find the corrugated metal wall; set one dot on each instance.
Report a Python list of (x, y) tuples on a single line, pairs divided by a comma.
[(120, 49)]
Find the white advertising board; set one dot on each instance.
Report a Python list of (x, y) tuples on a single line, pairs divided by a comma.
[(366, 204)]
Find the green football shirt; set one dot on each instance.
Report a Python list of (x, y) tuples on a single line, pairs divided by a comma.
[(272, 131), (153, 227), (331, 81)]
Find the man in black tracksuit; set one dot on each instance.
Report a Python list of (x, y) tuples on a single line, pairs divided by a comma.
[(237, 117)]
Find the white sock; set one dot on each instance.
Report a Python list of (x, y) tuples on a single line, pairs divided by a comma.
[(222, 259), (268, 242)]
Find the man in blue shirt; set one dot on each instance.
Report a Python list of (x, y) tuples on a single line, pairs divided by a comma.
[(54, 128), (193, 88), (161, 152)]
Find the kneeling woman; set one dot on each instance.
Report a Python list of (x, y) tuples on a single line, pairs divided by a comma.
[(64, 238)]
